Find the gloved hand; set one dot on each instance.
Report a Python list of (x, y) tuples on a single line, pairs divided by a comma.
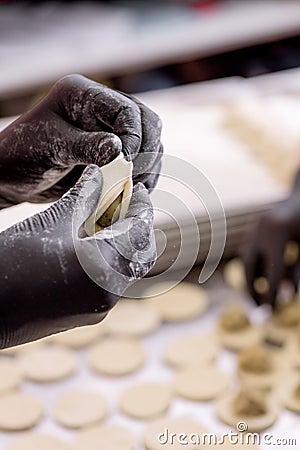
[(264, 255), (49, 270), (79, 122)]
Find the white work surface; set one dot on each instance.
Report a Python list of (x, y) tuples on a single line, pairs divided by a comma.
[(49, 40), (288, 425)]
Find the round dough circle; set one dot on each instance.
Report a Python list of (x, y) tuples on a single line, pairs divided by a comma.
[(240, 340), (10, 377), (186, 301), (269, 380), (145, 400), (277, 333), (234, 274), (116, 356), (37, 441), (80, 337), (191, 350), (78, 409), (48, 364), (200, 384), (281, 333), (19, 411), (132, 318), (107, 436), (226, 414), (177, 425)]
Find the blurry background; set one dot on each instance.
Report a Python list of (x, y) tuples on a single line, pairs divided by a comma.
[(141, 45)]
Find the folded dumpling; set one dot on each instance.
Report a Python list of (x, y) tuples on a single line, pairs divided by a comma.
[(115, 196)]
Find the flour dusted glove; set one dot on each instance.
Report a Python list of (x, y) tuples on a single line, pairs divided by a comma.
[(266, 252), (53, 277), (147, 163), (79, 122)]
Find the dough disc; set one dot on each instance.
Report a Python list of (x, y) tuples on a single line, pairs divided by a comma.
[(10, 377), (37, 441), (145, 400), (175, 425), (116, 356), (191, 350), (279, 334), (79, 409), (80, 337), (284, 323), (19, 411), (200, 384), (106, 437), (186, 301), (239, 340), (266, 380), (48, 364), (226, 414), (132, 318)]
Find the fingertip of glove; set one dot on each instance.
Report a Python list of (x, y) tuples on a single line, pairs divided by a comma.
[(140, 196), (98, 148), (111, 141), (106, 148), (139, 187)]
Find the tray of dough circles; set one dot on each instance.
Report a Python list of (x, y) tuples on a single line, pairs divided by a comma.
[(190, 365)]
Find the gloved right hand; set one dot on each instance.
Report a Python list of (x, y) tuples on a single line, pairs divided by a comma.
[(79, 122), (53, 278)]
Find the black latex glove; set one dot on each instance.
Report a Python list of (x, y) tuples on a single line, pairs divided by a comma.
[(264, 255), (48, 272), (79, 122)]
